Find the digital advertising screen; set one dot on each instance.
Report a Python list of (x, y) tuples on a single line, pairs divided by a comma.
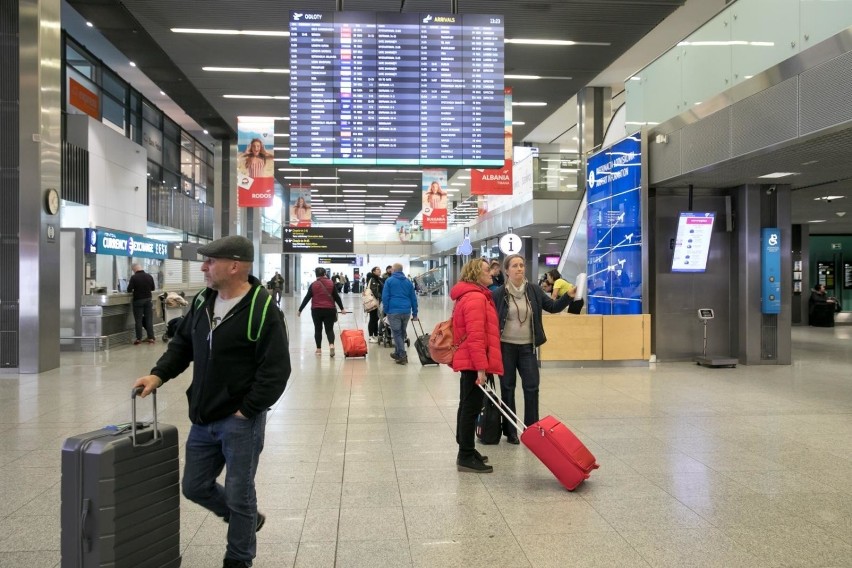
[(614, 229), (551, 260), (337, 240), (692, 244), (396, 89)]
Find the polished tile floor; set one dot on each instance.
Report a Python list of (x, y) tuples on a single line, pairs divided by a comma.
[(750, 467)]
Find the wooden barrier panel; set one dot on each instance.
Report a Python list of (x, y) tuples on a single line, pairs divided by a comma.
[(572, 338), (596, 338)]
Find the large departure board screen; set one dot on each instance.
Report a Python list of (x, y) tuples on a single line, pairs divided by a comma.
[(396, 89)]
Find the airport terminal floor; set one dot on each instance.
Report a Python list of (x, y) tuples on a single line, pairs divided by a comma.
[(746, 467)]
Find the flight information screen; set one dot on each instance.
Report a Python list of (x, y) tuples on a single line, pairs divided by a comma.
[(396, 89), (317, 239)]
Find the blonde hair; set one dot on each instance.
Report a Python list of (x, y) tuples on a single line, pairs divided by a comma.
[(473, 269)]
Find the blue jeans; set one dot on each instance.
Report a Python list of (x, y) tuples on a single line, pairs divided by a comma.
[(234, 443), (398, 323), (520, 359)]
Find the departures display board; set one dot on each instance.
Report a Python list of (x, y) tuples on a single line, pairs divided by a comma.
[(317, 239), (396, 89)]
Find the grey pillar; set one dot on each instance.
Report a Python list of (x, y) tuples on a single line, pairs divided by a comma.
[(762, 339), (32, 127), (593, 117), (530, 252)]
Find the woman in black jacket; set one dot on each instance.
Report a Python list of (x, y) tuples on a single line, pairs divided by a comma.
[(374, 285), (519, 308)]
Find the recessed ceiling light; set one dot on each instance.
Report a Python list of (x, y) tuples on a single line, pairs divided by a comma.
[(132, 64), (817, 221), (529, 41), (563, 226), (245, 69), (810, 162), (518, 122), (280, 134), (262, 97), (214, 31), (205, 132), (829, 198), (162, 93), (90, 24), (544, 232), (522, 76), (529, 104), (775, 175), (293, 169)]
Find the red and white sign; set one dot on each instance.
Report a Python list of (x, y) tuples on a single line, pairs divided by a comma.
[(84, 99), (492, 182), (255, 162)]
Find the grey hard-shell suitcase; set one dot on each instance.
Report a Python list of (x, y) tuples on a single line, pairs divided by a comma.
[(121, 496)]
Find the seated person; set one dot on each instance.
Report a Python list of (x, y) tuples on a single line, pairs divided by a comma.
[(821, 307)]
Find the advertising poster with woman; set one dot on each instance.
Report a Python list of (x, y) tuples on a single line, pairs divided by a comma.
[(255, 163), (300, 206), (434, 199)]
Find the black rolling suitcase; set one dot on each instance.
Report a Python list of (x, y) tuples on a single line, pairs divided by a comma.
[(421, 344), (121, 496)]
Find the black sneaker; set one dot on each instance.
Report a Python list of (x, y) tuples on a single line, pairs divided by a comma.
[(402, 360), (394, 356), (480, 457), (513, 439), (231, 563), (261, 519), (473, 465)]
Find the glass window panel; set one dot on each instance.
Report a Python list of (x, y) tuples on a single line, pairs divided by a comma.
[(188, 188), (171, 155), (186, 160), (209, 175), (152, 115), (113, 85), (113, 111), (171, 131), (171, 179), (135, 101), (76, 58), (186, 141), (155, 172)]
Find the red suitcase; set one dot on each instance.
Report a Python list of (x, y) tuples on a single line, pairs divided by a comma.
[(567, 458), (354, 344)]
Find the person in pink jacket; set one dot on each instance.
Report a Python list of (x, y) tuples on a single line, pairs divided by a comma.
[(477, 334)]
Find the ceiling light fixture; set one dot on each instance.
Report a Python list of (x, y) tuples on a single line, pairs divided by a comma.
[(262, 97), (132, 64), (528, 104), (162, 93), (518, 123), (562, 42), (776, 175), (205, 132), (280, 134), (829, 198), (214, 31), (817, 221), (90, 24), (245, 69)]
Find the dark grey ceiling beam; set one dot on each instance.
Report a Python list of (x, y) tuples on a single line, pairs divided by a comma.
[(122, 29)]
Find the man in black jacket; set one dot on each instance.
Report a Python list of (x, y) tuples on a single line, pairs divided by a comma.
[(238, 343), (142, 285)]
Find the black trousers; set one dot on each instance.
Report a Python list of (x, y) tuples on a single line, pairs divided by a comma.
[(143, 315), (520, 360), (470, 404), (373, 324), (324, 317)]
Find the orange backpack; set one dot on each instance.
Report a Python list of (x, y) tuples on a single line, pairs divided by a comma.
[(442, 347)]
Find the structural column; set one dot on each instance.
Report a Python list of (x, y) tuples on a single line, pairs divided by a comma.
[(30, 91)]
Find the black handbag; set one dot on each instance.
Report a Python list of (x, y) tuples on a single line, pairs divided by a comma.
[(489, 423)]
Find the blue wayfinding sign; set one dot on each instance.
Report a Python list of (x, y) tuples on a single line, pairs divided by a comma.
[(614, 229), (100, 241), (770, 271)]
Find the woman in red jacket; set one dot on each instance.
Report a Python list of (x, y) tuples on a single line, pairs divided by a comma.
[(477, 333)]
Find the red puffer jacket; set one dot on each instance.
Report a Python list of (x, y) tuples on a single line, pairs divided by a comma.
[(475, 320)]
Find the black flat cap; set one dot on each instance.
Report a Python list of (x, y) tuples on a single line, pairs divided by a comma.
[(233, 247)]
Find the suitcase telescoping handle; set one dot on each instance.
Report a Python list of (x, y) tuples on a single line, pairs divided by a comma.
[(133, 393), (501, 406), (414, 324)]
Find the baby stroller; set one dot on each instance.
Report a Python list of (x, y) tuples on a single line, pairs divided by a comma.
[(173, 307), (385, 338)]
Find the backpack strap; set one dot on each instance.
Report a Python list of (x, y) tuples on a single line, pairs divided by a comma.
[(261, 315)]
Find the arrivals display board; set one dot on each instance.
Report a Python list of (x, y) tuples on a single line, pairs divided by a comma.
[(396, 89), (318, 239), (692, 244)]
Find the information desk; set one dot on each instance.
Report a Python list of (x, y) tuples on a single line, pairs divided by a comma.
[(596, 338)]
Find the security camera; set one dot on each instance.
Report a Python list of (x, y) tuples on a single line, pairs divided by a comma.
[(770, 190)]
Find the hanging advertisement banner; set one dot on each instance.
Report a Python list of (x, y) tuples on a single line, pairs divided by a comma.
[(492, 182), (300, 206), (434, 199), (255, 164)]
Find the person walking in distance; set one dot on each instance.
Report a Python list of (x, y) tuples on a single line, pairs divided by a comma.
[(142, 285), (323, 295), (276, 285), (477, 335), (375, 284), (399, 302), (241, 363)]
